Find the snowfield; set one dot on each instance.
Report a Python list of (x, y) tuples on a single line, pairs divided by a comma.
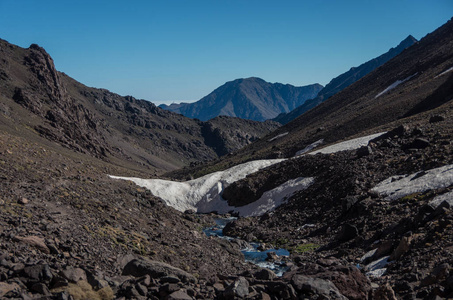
[(346, 145), (201, 194), (309, 147), (394, 85), (396, 187), (278, 136), (268, 201), (204, 194), (444, 72)]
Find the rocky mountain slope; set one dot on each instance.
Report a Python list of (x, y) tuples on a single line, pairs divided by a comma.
[(68, 231), (385, 207), (344, 80), (115, 128), (249, 98), (417, 80)]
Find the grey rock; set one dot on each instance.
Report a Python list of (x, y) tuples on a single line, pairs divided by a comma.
[(74, 274), (37, 273), (265, 274), (348, 232), (155, 269), (364, 151), (436, 118), (239, 288), (310, 285), (179, 295), (40, 288)]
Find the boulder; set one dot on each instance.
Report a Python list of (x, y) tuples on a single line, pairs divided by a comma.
[(239, 288), (155, 269), (317, 286), (402, 248), (384, 292), (348, 232), (265, 274), (179, 295), (37, 273), (436, 118), (34, 241), (74, 274), (6, 288)]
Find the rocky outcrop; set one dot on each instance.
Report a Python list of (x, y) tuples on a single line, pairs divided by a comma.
[(107, 125)]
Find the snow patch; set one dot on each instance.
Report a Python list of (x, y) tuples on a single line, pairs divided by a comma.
[(396, 187), (187, 195), (273, 198), (377, 268), (348, 145), (441, 198), (309, 147), (278, 136), (203, 194), (368, 255), (444, 72), (394, 85)]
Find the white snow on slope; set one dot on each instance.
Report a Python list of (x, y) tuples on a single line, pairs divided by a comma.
[(278, 136), (377, 268), (444, 72), (441, 198), (394, 85), (200, 191), (396, 187), (348, 145), (267, 202), (309, 147), (203, 194)]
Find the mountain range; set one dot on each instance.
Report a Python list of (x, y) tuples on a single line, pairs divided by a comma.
[(107, 125), (249, 98), (255, 99), (353, 199)]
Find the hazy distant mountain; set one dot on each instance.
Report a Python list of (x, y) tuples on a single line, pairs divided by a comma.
[(344, 80), (250, 98)]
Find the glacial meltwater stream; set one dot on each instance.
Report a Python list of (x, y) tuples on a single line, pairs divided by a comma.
[(251, 254)]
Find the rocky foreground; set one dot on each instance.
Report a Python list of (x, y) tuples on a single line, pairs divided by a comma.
[(341, 216), (70, 232)]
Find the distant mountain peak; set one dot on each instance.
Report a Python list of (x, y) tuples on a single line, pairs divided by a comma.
[(248, 98)]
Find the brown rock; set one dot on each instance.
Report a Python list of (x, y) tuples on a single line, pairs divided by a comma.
[(155, 269), (265, 274), (23, 201), (384, 292), (5, 288), (402, 248), (34, 241)]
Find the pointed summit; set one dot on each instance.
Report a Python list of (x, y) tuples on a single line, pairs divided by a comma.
[(409, 41)]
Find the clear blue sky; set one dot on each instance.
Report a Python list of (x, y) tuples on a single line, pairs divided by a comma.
[(182, 50)]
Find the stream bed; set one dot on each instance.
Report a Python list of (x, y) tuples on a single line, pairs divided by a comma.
[(251, 253)]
